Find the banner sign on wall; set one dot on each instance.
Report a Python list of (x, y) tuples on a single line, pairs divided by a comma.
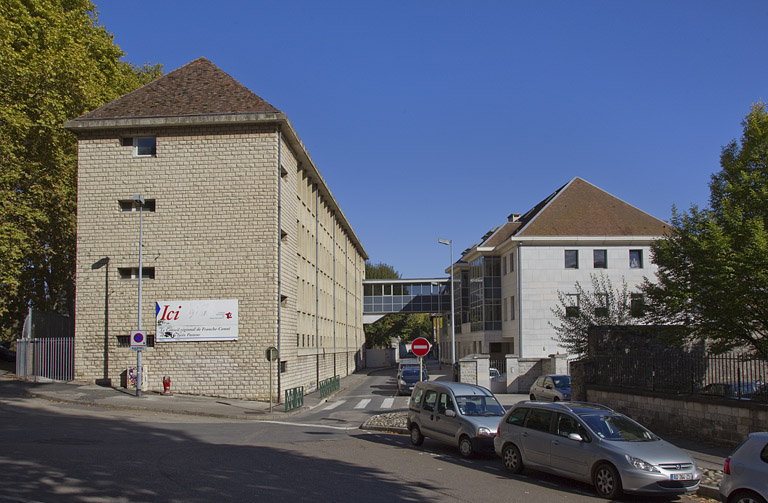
[(196, 320)]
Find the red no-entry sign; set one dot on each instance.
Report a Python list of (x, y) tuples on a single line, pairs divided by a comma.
[(420, 346)]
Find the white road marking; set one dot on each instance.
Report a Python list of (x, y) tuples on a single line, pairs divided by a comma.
[(334, 405), (363, 403), (387, 403), (308, 425)]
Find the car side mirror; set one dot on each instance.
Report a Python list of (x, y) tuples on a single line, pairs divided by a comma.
[(450, 413), (575, 436)]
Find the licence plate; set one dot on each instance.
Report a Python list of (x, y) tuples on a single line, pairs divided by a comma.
[(682, 476)]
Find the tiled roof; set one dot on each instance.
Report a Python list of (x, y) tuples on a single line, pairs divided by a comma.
[(502, 234), (197, 88), (581, 209)]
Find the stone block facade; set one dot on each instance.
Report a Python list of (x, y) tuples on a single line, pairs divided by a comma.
[(239, 212)]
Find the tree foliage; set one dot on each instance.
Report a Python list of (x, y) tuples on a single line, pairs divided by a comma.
[(713, 267), (406, 327), (602, 305), (56, 63)]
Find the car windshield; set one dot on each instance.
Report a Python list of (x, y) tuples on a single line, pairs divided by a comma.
[(562, 381), (617, 427), (474, 405), (412, 372)]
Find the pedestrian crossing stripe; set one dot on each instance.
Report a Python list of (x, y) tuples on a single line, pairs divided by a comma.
[(387, 403), (334, 405)]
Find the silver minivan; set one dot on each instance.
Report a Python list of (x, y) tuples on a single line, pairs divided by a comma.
[(459, 414)]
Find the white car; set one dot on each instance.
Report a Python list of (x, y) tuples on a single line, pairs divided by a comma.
[(745, 474)]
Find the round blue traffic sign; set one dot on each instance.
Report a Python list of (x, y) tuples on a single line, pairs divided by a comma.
[(138, 338)]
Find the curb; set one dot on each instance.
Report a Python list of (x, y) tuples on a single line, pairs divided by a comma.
[(709, 492)]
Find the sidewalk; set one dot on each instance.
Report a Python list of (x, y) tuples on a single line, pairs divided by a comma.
[(117, 398)]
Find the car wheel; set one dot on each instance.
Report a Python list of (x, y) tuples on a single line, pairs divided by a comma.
[(607, 481), (416, 437), (745, 496), (533, 397), (465, 447), (511, 458)]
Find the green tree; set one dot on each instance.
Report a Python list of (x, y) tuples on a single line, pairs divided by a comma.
[(56, 63), (404, 326), (713, 266), (581, 309)]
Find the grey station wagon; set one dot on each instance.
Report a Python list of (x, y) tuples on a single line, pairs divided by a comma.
[(455, 413), (593, 444)]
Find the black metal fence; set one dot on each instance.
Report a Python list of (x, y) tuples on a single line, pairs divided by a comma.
[(731, 375)]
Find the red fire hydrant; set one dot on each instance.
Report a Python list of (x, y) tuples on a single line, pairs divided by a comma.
[(166, 384)]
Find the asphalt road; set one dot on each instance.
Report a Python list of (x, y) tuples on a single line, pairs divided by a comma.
[(64, 453)]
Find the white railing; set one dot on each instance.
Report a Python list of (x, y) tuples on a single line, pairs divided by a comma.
[(52, 358)]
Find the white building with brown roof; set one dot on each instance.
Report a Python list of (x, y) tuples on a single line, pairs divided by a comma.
[(244, 246), (507, 285)]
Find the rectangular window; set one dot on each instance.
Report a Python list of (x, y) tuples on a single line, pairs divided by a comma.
[(637, 304), (571, 259), (133, 272), (572, 307), (601, 311), (600, 259), (512, 308), (636, 259), (511, 262), (145, 146), (130, 205)]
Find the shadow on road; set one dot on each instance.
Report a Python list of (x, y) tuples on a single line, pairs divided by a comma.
[(48, 456)]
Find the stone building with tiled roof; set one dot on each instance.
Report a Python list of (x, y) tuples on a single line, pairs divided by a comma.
[(243, 245), (508, 283)]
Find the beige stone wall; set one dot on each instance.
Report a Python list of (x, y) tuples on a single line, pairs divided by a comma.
[(214, 235), (710, 419)]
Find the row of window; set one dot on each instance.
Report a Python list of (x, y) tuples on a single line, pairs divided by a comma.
[(572, 310), (600, 259)]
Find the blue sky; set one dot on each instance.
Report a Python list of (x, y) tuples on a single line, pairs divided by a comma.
[(437, 119)]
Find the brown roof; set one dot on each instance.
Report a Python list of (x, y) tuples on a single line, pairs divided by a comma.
[(197, 88), (581, 209), (502, 234)]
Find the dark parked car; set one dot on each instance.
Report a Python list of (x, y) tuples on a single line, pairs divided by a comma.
[(731, 389), (407, 379), (6, 353)]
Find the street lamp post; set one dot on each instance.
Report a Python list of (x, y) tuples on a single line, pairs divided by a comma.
[(453, 314), (138, 200)]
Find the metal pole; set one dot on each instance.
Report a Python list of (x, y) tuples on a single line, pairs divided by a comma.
[(453, 316), (140, 202)]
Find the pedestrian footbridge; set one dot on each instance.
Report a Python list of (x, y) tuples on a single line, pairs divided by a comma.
[(387, 296)]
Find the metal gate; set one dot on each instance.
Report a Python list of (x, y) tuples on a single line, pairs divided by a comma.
[(52, 358)]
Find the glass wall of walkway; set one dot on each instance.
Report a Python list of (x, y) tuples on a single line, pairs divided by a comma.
[(406, 296)]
